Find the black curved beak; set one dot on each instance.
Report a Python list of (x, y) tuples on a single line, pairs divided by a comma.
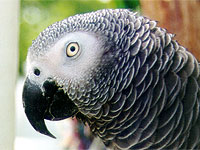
[(51, 104), (35, 105)]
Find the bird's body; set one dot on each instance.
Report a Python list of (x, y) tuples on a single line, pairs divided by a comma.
[(134, 85)]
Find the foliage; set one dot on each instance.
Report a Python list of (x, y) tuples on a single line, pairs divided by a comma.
[(36, 15)]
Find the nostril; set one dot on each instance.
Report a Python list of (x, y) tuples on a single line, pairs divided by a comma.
[(36, 71)]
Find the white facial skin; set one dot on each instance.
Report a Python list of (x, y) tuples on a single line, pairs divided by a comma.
[(56, 64)]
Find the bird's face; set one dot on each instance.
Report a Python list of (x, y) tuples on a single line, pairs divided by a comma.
[(76, 65), (59, 79)]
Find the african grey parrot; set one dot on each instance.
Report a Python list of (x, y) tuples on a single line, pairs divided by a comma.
[(118, 72)]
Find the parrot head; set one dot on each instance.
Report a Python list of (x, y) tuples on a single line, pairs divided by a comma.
[(72, 68), (134, 85)]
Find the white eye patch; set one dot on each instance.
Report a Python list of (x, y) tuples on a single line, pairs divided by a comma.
[(70, 58)]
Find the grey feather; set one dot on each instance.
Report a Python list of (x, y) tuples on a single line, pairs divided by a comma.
[(144, 92)]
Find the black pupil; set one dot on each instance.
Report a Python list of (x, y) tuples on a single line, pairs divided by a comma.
[(72, 48), (37, 72)]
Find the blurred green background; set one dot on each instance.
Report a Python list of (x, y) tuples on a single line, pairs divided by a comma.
[(36, 15)]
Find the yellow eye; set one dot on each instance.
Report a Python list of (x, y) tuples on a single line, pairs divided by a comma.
[(72, 49)]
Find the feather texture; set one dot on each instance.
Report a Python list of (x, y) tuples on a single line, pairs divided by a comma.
[(144, 92)]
